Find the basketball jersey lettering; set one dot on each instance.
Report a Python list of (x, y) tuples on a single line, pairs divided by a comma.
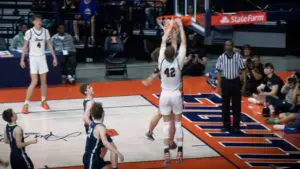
[(37, 41), (170, 72), (90, 132)]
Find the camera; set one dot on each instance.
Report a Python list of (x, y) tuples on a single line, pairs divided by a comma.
[(292, 80)]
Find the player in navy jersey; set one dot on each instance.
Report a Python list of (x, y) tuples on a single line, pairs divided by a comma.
[(13, 135), (87, 90), (97, 140)]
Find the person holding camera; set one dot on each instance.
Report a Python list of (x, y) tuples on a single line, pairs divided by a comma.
[(195, 64), (255, 75)]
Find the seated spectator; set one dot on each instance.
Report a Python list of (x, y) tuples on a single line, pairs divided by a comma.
[(255, 75), (195, 65), (18, 40), (63, 43), (87, 10), (271, 86), (113, 45), (288, 105)]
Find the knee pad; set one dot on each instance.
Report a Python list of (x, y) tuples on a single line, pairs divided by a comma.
[(179, 131), (166, 130)]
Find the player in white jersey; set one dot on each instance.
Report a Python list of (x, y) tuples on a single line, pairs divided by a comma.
[(147, 82), (37, 38), (170, 68)]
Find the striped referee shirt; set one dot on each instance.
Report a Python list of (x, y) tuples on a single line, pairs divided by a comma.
[(230, 66)]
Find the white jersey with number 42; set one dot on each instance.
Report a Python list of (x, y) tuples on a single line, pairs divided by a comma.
[(170, 72), (37, 41)]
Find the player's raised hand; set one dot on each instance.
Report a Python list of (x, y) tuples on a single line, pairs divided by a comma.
[(121, 157), (55, 62), (146, 82), (178, 21), (22, 64), (34, 141)]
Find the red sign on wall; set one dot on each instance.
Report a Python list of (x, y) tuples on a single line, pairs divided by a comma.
[(241, 18)]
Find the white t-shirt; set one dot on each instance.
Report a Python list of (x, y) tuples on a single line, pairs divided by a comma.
[(37, 41), (170, 72)]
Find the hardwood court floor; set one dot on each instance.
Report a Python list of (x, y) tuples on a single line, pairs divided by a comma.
[(129, 107)]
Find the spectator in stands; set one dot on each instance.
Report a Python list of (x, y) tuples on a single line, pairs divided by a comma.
[(113, 45), (87, 10), (247, 53), (288, 104), (271, 86), (18, 40), (255, 75), (63, 43), (195, 64)]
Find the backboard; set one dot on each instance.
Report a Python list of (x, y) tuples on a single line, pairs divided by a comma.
[(198, 10)]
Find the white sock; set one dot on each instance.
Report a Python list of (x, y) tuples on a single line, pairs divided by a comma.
[(179, 133), (26, 102), (43, 98)]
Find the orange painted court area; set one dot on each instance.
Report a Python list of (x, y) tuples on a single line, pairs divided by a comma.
[(192, 85)]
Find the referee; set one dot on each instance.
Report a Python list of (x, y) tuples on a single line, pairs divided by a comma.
[(230, 66)]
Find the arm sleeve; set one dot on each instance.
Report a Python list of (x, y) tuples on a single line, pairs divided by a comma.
[(27, 35), (219, 64)]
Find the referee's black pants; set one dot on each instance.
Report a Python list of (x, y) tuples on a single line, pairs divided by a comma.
[(231, 90)]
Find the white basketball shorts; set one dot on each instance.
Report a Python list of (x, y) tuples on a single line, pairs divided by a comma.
[(38, 64), (170, 101)]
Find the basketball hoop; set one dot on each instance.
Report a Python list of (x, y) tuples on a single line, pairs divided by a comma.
[(164, 20)]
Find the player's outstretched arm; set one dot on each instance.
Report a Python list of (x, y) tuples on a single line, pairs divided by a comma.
[(164, 41), (87, 113), (5, 137), (19, 142), (174, 39), (148, 81), (102, 134), (182, 48)]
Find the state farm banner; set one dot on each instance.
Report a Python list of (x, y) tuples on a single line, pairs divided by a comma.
[(242, 18)]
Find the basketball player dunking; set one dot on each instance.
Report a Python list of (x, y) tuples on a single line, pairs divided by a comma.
[(170, 68), (156, 118), (13, 135), (87, 90), (96, 140), (36, 38)]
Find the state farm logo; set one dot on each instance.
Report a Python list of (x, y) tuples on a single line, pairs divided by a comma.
[(247, 19), (225, 20), (237, 19)]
